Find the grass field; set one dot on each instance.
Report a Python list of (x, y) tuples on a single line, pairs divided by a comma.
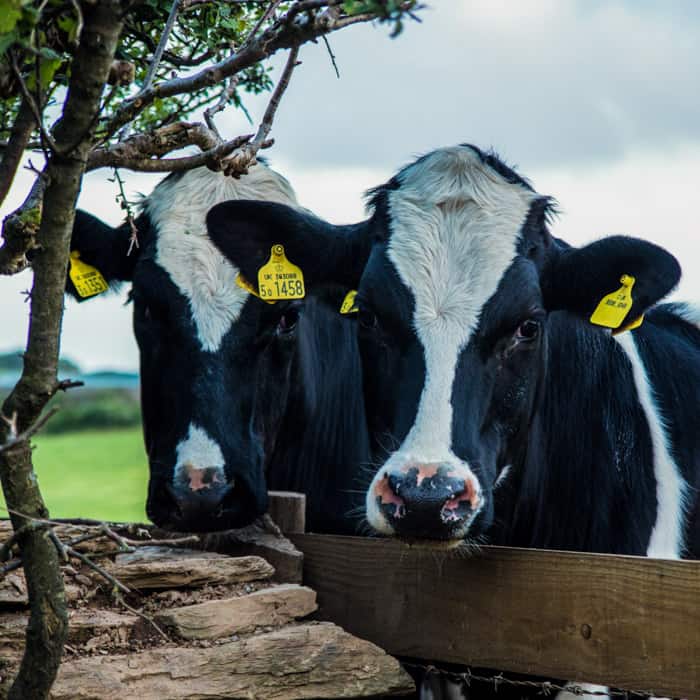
[(93, 474)]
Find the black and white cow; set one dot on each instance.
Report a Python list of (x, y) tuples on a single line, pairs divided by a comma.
[(498, 412), (513, 416), (231, 387)]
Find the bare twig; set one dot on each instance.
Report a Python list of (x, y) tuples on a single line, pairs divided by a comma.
[(226, 95), (332, 56), (47, 139), (142, 615), (239, 163), (263, 18), (124, 204), (66, 384), (115, 583), (158, 55), (79, 21), (31, 430), (18, 142)]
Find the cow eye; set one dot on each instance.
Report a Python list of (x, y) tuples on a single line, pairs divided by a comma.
[(288, 321), (528, 330)]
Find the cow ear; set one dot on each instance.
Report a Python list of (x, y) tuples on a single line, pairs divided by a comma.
[(102, 247), (245, 231), (591, 279)]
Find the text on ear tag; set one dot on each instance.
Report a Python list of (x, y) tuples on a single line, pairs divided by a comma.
[(280, 279), (87, 280), (243, 283), (613, 307), (349, 306)]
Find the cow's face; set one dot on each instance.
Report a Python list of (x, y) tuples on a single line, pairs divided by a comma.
[(456, 277), (202, 340)]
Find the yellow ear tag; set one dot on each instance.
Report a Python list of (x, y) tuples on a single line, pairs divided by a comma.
[(349, 306), (279, 279), (88, 280), (243, 283), (630, 326), (615, 306)]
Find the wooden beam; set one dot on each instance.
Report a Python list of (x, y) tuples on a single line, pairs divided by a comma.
[(628, 622), (288, 510)]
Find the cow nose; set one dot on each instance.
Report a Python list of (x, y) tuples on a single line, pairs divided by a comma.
[(194, 506), (431, 501)]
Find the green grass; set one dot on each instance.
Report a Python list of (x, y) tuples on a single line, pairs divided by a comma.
[(99, 474)]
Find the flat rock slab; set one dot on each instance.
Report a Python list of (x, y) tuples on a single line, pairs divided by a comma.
[(157, 568), (213, 619), (13, 590), (315, 660), (82, 625)]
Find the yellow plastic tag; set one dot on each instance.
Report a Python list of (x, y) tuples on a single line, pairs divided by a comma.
[(630, 326), (615, 306), (243, 283), (349, 306), (88, 280), (279, 279)]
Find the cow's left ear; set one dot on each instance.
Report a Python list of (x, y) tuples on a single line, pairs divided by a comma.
[(245, 232), (603, 276)]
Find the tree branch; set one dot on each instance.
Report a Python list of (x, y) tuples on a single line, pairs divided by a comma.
[(14, 150), (158, 55), (239, 163), (136, 152), (48, 620), (285, 33)]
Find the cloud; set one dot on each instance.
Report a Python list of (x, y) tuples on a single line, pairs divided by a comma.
[(551, 82)]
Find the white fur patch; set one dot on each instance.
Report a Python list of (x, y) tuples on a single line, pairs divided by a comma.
[(455, 224), (198, 451), (666, 540), (177, 209), (502, 476), (688, 312)]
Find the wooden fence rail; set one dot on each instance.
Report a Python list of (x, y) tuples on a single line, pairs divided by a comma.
[(623, 621)]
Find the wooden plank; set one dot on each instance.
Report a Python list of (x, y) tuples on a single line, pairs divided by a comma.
[(628, 622), (288, 510)]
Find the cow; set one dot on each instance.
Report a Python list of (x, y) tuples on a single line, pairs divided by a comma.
[(233, 390), (498, 411)]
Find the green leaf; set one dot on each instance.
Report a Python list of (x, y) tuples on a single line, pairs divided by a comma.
[(6, 40), (10, 14)]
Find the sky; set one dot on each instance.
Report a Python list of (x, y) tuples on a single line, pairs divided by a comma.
[(596, 103)]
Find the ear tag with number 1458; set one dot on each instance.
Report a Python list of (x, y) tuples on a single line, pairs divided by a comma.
[(279, 279)]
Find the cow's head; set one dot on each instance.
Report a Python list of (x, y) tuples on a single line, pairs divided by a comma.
[(201, 340), (457, 275)]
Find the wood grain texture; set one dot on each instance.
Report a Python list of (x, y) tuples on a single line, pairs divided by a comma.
[(288, 510), (628, 622), (269, 607), (314, 660), (155, 568)]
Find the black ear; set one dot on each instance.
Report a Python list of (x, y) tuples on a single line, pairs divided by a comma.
[(103, 247), (577, 279), (245, 231)]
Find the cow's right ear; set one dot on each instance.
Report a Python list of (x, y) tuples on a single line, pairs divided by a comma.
[(245, 231), (102, 247)]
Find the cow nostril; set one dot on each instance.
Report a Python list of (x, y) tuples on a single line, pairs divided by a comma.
[(387, 493)]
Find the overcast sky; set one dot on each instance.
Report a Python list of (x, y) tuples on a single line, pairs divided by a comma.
[(597, 103)]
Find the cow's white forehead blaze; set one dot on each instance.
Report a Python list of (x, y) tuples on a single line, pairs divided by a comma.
[(177, 209), (454, 225), (454, 229)]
